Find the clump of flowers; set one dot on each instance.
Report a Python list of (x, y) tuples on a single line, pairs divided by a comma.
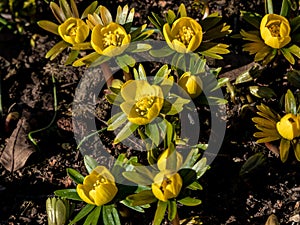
[(71, 28), (273, 127), (275, 35), (184, 34)]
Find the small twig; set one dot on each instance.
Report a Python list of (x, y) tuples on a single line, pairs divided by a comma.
[(127, 76), (90, 135), (53, 118)]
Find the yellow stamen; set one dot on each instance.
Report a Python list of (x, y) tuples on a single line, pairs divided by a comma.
[(112, 38), (185, 35), (144, 104)]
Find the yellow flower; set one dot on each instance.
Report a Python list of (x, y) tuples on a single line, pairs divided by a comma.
[(191, 84), (165, 156), (184, 36), (73, 31), (142, 101), (110, 40), (289, 126), (98, 188), (275, 30), (166, 185)]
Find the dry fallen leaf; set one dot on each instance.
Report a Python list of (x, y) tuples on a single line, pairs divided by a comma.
[(18, 148)]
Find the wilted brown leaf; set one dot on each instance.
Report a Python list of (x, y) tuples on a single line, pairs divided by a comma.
[(18, 148)]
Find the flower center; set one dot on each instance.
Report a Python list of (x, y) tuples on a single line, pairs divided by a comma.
[(72, 29), (164, 184), (112, 38), (274, 29), (98, 182), (185, 35), (143, 105)]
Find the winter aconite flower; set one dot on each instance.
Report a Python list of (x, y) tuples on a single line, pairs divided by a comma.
[(73, 31), (98, 187), (110, 40), (142, 101), (184, 36), (166, 185), (275, 30), (289, 126), (191, 84)]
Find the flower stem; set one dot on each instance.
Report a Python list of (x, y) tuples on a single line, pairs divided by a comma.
[(107, 73), (175, 221), (127, 76)]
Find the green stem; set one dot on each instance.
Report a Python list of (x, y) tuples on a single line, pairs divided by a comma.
[(285, 8), (53, 118), (107, 74), (90, 135), (269, 7), (175, 221)]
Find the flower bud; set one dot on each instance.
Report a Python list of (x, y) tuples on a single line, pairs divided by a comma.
[(167, 160), (191, 84), (58, 211)]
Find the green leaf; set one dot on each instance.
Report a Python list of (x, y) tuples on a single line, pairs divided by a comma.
[(127, 130), (172, 209), (56, 50), (116, 121), (171, 16), (284, 149), (156, 21), (84, 212), (197, 64), (174, 104), (72, 56), (191, 158), (57, 12), (141, 179), (48, 26), (195, 186), (293, 78), (161, 74), (188, 176), (210, 21), (287, 54), (89, 10), (297, 151), (295, 24), (68, 193), (74, 9), (124, 61), (151, 130), (200, 167), (269, 7), (110, 215), (93, 217), (75, 176), (160, 212), (162, 52), (188, 201), (285, 8), (262, 92), (135, 208), (294, 49), (253, 18), (90, 163), (66, 8), (142, 198), (290, 104), (182, 11), (253, 164)]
